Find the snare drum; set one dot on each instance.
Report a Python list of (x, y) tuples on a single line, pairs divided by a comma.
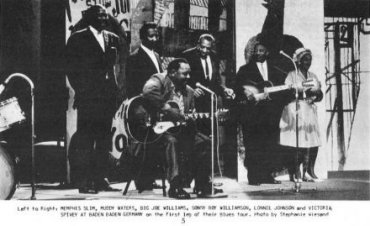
[(10, 113)]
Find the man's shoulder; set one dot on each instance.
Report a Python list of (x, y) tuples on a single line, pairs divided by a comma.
[(79, 33), (190, 51), (159, 76), (109, 33)]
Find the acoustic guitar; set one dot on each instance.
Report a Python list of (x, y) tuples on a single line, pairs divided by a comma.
[(260, 91)]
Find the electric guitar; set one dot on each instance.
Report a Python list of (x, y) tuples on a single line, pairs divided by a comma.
[(164, 125), (145, 125)]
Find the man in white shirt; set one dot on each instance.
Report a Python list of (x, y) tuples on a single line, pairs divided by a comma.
[(260, 117), (145, 61), (91, 54)]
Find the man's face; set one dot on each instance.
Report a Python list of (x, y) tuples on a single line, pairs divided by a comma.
[(261, 53), (151, 39), (181, 76), (204, 48), (306, 62), (99, 19)]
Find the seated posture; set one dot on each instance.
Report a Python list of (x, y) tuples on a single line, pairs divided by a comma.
[(187, 152)]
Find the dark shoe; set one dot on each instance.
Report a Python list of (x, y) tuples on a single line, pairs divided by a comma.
[(104, 185), (254, 183), (271, 181), (108, 188), (157, 186), (87, 190), (203, 193), (178, 193)]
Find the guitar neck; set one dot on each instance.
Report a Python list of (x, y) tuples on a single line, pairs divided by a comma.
[(197, 115), (276, 88)]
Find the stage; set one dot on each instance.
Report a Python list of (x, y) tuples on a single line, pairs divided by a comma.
[(329, 189)]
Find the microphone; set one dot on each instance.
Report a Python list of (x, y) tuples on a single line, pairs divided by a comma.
[(284, 54), (204, 88), (2, 88)]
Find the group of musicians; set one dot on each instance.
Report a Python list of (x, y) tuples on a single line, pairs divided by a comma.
[(91, 55)]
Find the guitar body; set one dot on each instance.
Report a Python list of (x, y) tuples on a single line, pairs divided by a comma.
[(139, 119)]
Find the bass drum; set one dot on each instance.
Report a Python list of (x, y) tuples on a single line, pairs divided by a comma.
[(7, 175), (139, 120)]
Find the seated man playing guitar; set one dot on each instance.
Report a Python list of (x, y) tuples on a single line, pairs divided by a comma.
[(186, 151)]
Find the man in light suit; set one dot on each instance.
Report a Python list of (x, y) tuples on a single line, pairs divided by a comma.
[(90, 57), (145, 61)]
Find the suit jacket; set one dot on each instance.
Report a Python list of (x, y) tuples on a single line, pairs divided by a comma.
[(159, 89), (197, 72), (139, 69), (89, 68)]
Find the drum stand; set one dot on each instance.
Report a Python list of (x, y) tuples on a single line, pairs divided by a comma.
[(33, 168)]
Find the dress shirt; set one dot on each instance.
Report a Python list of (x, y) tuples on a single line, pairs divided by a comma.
[(208, 59), (99, 37), (262, 67)]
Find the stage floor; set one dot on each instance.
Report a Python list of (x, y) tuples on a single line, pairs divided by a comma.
[(330, 189)]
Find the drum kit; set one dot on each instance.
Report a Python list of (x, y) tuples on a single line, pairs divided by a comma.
[(10, 114)]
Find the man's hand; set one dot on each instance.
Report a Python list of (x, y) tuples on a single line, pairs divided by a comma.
[(198, 92), (249, 94), (229, 93)]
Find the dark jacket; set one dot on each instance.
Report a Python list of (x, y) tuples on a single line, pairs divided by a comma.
[(159, 89), (89, 68), (197, 72), (260, 119), (139, 69)]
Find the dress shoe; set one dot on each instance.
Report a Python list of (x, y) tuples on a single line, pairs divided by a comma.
[(157, 186), (254, 183), (87, 190), (271, 181), (206, 190), (178, 193), (104, 185)]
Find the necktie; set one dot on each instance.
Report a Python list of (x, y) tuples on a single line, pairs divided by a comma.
[(207, 70)]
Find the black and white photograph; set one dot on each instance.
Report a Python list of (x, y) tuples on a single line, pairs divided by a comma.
[(185, 111)]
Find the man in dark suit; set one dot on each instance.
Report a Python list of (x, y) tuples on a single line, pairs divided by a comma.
[(142, 64), (205, 69), (260, 115), (91, 54), (145, 61), (187, 152)]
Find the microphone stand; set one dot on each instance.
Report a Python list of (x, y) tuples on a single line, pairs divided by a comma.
[(297, 182), (33, 168), (213, 98)]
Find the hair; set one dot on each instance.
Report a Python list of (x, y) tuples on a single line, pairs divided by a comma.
[(207, 37), (175, 64), (90, 12), (145, 28)]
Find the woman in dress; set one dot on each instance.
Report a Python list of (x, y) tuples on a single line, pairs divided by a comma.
[(306, 129)]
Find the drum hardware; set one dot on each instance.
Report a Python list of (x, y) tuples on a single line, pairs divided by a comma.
[(32, 86), (10, 113)]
